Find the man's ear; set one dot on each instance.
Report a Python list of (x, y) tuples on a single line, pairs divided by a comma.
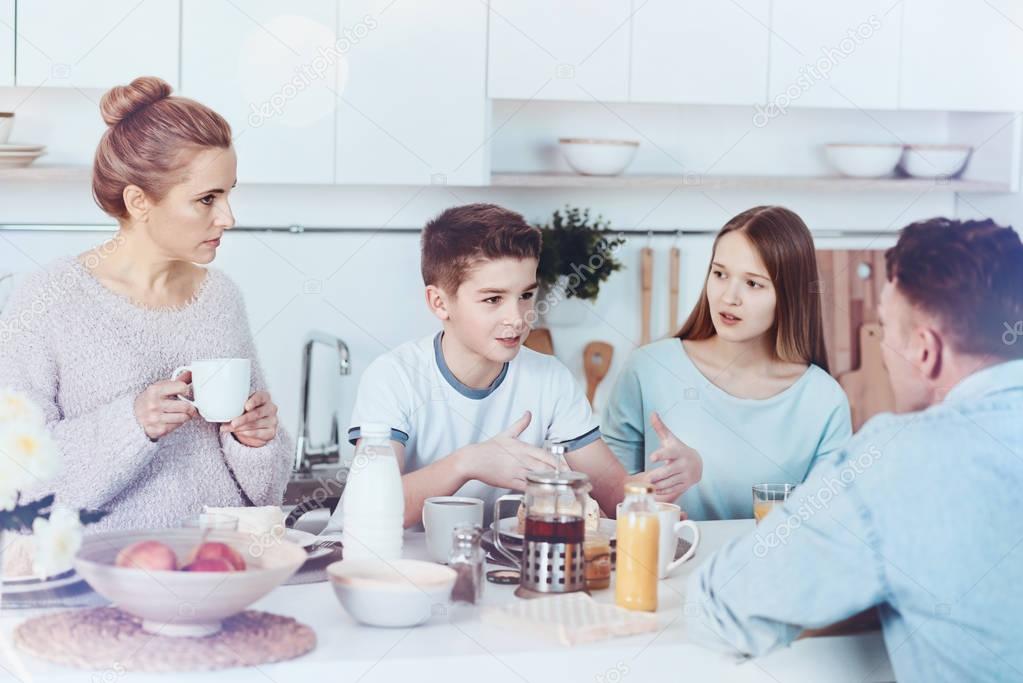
[(930, 352), (437, 302), (136, 202)]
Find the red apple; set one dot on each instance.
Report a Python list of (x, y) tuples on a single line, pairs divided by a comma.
[(212, 550), (149, 555), (209, 564)]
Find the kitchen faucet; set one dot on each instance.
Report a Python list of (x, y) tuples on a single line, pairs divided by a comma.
[(306, 454)]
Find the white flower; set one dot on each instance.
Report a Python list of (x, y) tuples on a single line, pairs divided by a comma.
[(28, 456), (56, 540), (16, 408)]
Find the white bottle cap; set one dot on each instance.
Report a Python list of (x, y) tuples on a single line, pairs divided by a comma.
[(375, 429)]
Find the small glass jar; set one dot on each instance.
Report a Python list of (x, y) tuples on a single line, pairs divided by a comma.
[(467, 558)]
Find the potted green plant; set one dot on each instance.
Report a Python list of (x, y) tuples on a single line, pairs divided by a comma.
[(578, 254)]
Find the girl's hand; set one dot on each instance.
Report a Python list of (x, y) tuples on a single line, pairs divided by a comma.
[(158, 410), (683, 469), (257, 426)]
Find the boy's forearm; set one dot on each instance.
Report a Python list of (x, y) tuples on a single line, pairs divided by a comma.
[(441, 478)]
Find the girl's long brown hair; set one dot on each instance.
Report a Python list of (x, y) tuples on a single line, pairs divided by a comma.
[(785, 245)]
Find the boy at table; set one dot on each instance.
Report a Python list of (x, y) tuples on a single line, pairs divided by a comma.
[(469, 407), (919, 516)]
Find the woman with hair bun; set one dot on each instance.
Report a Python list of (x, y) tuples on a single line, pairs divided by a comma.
[(93, 339)]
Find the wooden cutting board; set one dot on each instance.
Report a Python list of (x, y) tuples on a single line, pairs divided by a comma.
[(850, 288), (540, 340), (868, 387)]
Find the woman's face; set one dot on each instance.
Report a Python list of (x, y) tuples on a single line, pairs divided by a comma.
[(739, 291), (186, 225)]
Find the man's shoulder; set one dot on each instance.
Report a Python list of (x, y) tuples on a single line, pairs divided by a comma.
[(408, 360)]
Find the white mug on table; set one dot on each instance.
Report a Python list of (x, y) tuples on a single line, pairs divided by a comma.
[(671, 523), (441, 514), (220, 387)]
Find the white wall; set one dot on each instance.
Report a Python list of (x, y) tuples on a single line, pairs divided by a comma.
[(366, 287)]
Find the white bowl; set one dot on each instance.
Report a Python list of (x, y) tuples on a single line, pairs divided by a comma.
[(590, 156), (935, 161), (177, 603), (864, 161), (394, 594)]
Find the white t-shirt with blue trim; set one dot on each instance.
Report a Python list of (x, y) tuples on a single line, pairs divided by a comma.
[(412, 390)]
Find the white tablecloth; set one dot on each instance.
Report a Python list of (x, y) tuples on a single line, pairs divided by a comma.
[(458, 646)]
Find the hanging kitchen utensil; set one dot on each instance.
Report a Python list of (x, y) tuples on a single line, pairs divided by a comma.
[(596, 362), (647, 279), (868, 387), (540, 340), (673, 275)]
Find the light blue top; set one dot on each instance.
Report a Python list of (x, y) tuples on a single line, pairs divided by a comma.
[(742, 441), (920, 515)]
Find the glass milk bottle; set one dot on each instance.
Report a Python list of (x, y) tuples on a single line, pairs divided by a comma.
[(373, 503), (638, 533)]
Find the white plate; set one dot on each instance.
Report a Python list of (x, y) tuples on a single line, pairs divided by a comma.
[(508, 527), (11, 147), (19, 585), (302, 538)]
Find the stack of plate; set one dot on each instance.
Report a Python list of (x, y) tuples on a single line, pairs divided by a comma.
[(18, 156)]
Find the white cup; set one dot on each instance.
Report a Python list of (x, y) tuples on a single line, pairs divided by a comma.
[(441, 514), (220, 387), (671, 523)]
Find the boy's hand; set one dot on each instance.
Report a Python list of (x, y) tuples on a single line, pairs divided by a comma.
[(683, 469), (504, 460)]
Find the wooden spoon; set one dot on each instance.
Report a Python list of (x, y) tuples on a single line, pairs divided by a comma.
[(673, 274), (647, 281), (596, 362)]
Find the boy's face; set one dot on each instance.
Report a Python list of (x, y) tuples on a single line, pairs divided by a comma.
[(489, 312)]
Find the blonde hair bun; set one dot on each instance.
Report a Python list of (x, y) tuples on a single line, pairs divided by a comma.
[(122, 101)]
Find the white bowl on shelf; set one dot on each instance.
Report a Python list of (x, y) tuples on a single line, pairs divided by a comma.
[(180, 603), (392, 594), (935, 161), (864, 161), (592, 156)]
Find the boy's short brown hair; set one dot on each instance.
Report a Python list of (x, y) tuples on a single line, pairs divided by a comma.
[(461, 236), (968, 275)]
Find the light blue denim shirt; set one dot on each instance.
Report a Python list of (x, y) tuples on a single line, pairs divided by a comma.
[(921, 515)]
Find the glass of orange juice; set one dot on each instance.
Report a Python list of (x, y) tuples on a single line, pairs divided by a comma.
[(766, 496)]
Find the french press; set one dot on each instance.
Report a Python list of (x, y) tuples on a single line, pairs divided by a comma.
[(552, 559)]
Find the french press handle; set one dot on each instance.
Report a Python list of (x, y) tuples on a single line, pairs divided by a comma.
[(498, 544)]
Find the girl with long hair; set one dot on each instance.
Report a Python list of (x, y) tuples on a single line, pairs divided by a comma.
[(741, 394)]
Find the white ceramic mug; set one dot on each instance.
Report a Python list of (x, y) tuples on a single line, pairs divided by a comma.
[(441, 514), (671, 523), (220, 387)]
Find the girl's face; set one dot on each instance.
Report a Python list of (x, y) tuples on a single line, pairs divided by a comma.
[(740, 293), (187, 224)]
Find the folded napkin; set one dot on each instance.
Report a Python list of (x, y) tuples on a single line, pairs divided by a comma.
[(571, 618)]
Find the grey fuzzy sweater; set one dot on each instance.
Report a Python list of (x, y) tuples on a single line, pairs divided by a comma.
[(83, 353)]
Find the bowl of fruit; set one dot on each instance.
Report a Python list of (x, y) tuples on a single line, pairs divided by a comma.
[(184, 582)]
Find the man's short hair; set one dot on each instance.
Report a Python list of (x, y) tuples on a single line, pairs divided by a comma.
[(462, 236), (969, 276)]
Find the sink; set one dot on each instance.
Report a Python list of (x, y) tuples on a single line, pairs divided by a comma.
[(317, 487)]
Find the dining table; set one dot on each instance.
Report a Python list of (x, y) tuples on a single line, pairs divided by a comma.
[(459, 643)]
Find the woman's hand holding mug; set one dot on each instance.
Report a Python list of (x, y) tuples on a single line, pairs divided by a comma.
[(159, 412), (257, 426)]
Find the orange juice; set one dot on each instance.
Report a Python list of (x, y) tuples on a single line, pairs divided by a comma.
[(761, 508), (638, 538)]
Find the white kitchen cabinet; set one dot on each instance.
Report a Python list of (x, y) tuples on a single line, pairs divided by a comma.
[(6, 42), (700, 51), (412, 101), (963, 55), (271, 71), (564, 50), (96, 44), (835, 53)]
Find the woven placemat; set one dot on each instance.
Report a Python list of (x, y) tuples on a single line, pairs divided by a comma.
[(106, 637)]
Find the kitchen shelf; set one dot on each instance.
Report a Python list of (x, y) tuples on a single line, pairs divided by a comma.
[(43, 172), (791, 183)]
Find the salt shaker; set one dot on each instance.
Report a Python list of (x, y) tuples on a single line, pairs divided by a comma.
[(467, 559)]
